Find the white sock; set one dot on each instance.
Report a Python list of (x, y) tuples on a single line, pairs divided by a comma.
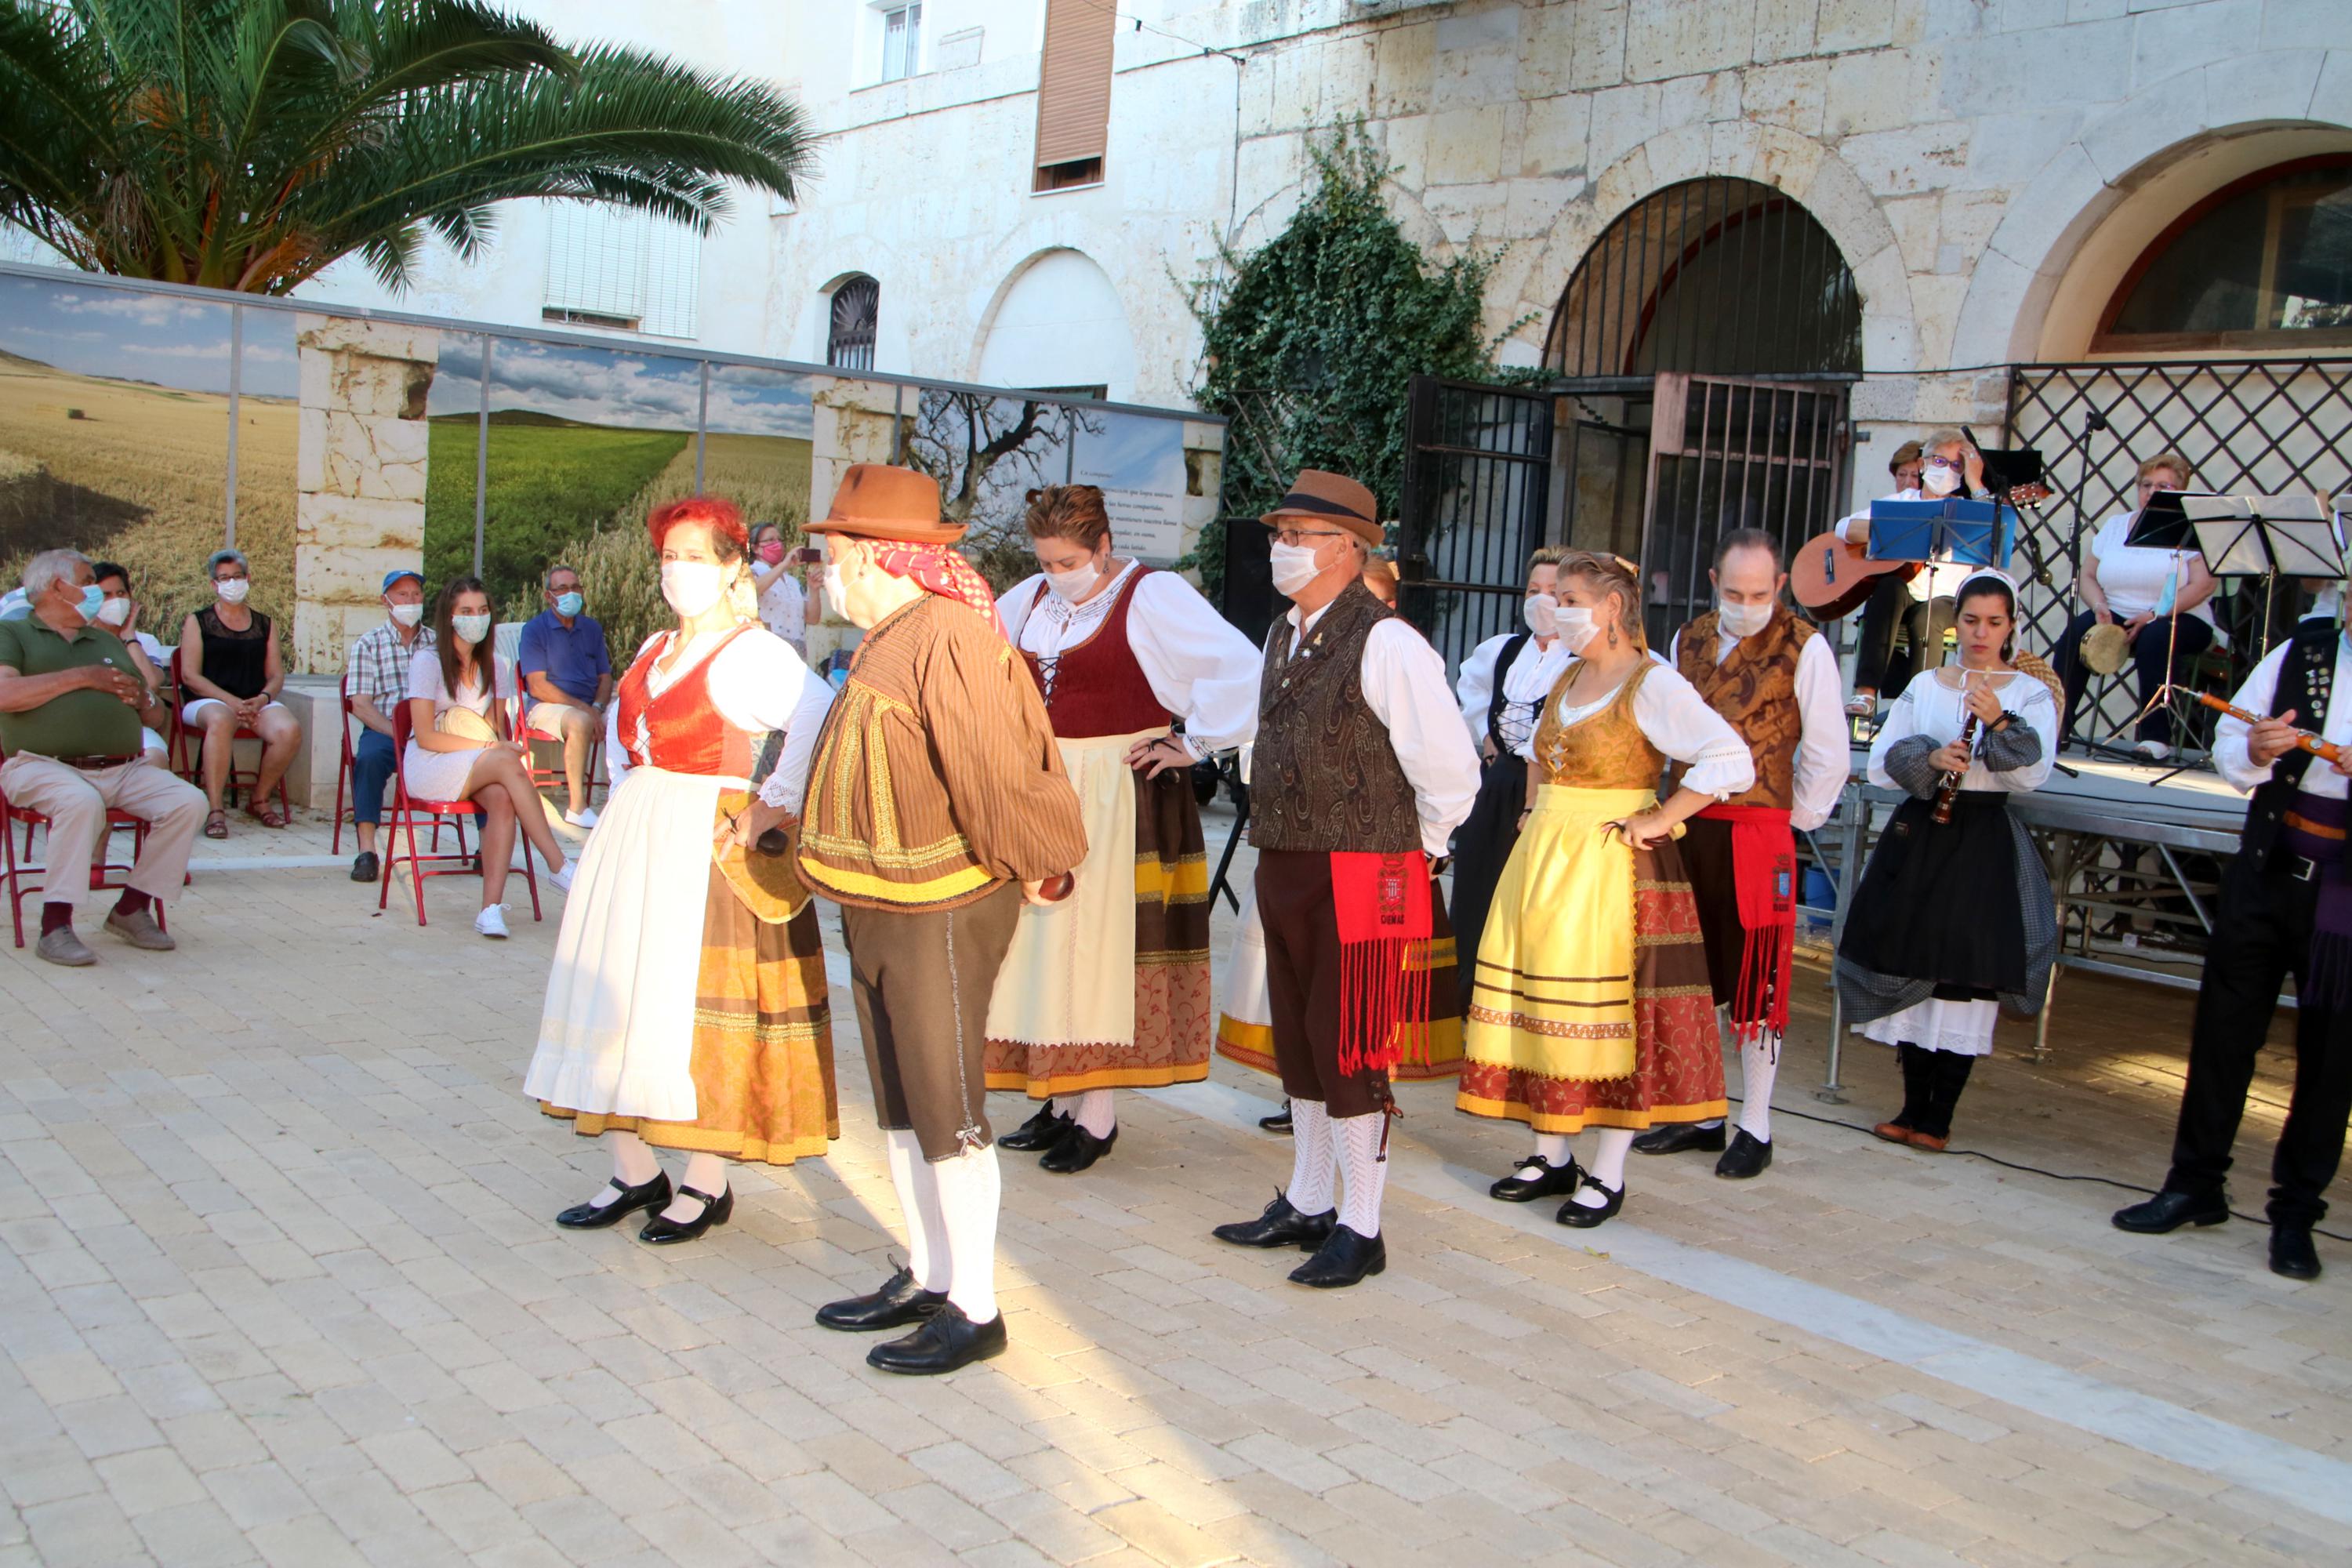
[(1554, 1149), (1760, 1059), (704, 1174), (1608, 1167), (632, 1162), (918, 1199), (1367, 1173), (1093, 1109), (1312, 1158), (970, 1188)]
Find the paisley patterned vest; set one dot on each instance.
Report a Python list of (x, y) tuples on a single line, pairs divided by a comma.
[(1324, 777), (1755, 687)]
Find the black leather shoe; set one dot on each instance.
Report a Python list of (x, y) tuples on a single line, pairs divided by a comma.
[(1280, 1226), (1279, 1122), (2292, 1253), (1077, 1150), (367, 868), (1747, 1156), (1548, 1179), (653, 1195), (663, 1232), (1572, 1213), (946, 1341), (900, 1303), (1677, 1136), (1342, 1261), (2167, 1212), (1041, 1131)]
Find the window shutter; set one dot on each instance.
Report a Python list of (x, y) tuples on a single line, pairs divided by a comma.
[(1074, 82)]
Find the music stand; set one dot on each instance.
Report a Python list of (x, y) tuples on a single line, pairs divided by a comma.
[(2268, 537), (1950, 531)]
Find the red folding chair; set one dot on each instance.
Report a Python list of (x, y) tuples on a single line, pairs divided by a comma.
[(544, 778), (408, 811), (343, 765), (187, 749), (16, 867)]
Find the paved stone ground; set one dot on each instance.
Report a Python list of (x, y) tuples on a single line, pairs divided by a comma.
[(277, 1284)]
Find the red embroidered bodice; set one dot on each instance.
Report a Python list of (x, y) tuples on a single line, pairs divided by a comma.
[(684, 732), (1098, 687)]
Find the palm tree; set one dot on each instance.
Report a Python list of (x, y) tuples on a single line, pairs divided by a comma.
[(246, 144)]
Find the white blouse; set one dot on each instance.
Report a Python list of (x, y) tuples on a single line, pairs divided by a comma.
[(1200, 667), (1935, 705), (1525, 684), (1679, 723), (2133, 576), (758, 684), (784, 609), (425, 680)]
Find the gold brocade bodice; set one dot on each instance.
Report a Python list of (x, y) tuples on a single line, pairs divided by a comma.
[(1601, 751)]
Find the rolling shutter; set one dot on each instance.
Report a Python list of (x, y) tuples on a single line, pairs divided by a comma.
[(1074, 82)]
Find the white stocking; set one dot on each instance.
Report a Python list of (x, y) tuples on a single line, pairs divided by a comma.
[(970, 1189), (1093, 1109), (918, 1199), (704, 1174), (1367, 1173), (1608, 1167), (1553, 1149), (1760, 1059), (1312, 1158), (633, 1162)]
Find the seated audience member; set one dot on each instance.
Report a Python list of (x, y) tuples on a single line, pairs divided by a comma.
[(69, 700), (230, 675), (568, 676), (786, 607), (119, 614), (455, 751), (378, 676)]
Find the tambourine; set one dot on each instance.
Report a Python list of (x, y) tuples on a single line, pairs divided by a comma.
[(2107, 648)]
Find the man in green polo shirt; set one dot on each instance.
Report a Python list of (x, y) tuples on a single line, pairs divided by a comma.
[(71, 696)]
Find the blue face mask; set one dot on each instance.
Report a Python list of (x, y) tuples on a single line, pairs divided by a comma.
[(93, 599), (568, 604)]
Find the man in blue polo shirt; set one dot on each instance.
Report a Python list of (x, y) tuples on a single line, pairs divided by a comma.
[(569, 676)]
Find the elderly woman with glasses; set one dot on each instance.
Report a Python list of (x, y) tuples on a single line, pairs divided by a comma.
[(230, 675)]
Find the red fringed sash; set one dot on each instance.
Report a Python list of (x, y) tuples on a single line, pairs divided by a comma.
[(1764, 873), (1382, 903)]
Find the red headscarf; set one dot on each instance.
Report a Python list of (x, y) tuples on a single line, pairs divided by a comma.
[(939, 569)]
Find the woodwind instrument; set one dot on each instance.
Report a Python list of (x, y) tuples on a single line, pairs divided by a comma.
[(1947, 789), (2325, 751)]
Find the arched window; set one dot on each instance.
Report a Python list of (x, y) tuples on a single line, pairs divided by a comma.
[(2265, 260), (849, 327)]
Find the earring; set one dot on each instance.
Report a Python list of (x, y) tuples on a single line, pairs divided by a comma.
[(1612, 636)]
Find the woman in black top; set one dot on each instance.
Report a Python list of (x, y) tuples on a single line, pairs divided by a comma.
[(230, 674)]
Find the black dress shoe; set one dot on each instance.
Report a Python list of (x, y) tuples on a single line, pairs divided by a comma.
[(1279, 1122), (1582, 1217), (2292, 1253), (1549, 1179), (2167, 1212), (1677, 1136), (1342, 1261), (367, 868), (1041, 1131), (663, 1232), (1747, 1156), (900, 1303), (653, 1195), (1077, 1150), (945, 1341), (1280, 1226)]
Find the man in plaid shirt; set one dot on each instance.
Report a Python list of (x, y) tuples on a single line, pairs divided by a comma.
[(378, 674)]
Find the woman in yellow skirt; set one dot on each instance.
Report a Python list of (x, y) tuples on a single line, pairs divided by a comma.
[(1590, 1005)]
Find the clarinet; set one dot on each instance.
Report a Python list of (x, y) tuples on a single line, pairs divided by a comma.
[(1947, 788)]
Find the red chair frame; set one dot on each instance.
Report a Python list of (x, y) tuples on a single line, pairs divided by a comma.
[(14, 869), (409, 810), (343, 765), (544, 778), (187, 753)]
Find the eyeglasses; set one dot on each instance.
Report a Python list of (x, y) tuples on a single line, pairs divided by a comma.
[(1942, 463), (1300, 535)]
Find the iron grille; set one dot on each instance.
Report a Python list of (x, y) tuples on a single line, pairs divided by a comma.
[(1477, 476), (849, 333)]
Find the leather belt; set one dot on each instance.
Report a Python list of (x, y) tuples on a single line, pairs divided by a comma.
[(94, 765)]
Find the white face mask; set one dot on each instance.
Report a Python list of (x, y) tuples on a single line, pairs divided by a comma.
[(1936, 481), (1576, 628), (829, 578), (234, 590), (1294, 567), (1074, 585), (1742, 620), (470, 629), (408, 615), (692, 586), (114, 612), (1542, 613)]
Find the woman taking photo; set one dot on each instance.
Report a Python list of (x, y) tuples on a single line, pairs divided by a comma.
[(786, 607), (687, 1008), (459, 749), (230, 675), (1953, 916), (1591, 1006)]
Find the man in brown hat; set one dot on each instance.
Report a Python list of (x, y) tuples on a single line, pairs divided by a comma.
[(937, 803), (1362, 771)]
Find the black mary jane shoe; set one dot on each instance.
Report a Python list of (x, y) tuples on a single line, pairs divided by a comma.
[(2167, 1212), (945, 1341), (1549, 1179), (1677, 1136), (1280, 1226), (1342, 1261), (1577, 1214), (653, 1195), (1041, 1131), (1747, 1156), (718, 1210), (1279, 1122), (1077, 1150), (898, 1303), (2291, 1254)]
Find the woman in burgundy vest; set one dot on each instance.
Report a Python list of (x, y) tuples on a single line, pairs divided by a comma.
[(1109, 989)]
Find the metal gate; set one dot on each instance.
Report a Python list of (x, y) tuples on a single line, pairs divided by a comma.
[(1477, 477)]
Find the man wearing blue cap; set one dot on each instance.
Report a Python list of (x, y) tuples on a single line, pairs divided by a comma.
[(377, 675)]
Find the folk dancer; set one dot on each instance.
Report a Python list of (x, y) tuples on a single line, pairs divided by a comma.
[(1110, 989), (1360, 773), (1591, 1006), (2285, 909), (1954, 918), (936, 806), (687, 1005), (1773, 677)]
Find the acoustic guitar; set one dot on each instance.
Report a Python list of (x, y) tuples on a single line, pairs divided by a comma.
[(1832, 578)]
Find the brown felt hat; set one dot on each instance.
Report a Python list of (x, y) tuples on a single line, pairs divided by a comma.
[(876, 500), (1336, 499)]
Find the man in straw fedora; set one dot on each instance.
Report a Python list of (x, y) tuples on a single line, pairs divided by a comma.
[(935, 804), (1362, 771)]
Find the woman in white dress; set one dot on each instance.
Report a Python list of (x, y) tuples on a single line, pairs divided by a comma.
[(786, 607), (1953, 919), (688, 1008), (459, 749)]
